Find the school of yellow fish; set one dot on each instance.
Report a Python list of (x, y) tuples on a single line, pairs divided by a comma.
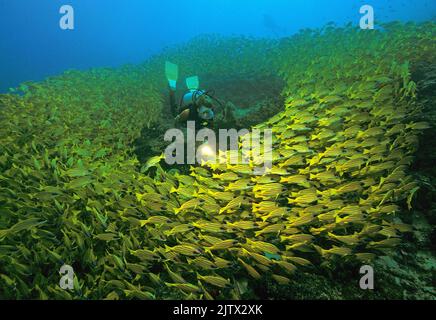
[(342, 149)]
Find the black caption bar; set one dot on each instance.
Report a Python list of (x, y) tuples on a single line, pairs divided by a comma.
[(199, 310), (216, 310)]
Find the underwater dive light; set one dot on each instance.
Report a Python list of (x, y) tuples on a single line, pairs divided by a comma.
[(205, 153)]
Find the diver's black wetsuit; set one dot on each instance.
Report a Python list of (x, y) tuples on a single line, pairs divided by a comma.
[(173, 104), (193, 112)]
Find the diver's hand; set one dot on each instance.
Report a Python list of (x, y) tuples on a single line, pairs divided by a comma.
[(183, 116)]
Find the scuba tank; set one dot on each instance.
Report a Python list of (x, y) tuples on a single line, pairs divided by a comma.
[(192, 98), (199, 101)]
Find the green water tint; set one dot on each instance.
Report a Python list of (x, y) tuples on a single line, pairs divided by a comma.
[(73, 193)]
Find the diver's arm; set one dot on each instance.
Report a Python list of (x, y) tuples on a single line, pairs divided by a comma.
[(173, 104), (183, 116)]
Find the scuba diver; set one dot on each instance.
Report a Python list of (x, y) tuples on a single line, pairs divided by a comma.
[(196, 105)]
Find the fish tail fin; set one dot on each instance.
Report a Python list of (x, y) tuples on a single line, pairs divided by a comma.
[(3, 233), (319, 249)]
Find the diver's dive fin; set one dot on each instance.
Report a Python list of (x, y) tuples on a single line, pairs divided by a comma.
[(172, 73), (193, 83)]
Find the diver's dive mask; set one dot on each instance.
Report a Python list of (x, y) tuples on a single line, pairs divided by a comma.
[(205, 113)]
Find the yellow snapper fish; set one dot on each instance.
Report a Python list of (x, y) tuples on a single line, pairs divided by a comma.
[(271, 188), (181, 228), (221, 263), (280, 279), (221, 195), (218, 166), (418, 126), (371, 132), (189, 205), (303, 200), (297, 160), (184, 179), (381, 148), (323, 134), (348, 240), (365, 257), (264, 206), (257, 257), (354, 186), (278, 171), (152, 162), (325, 177), (202, 262), (185, 249), (274, 228), (353, 218), (333, 151), (301, 221), (387, 243), (370, 142), (352, 131), (241, 168), (222, 245), (264, 179), (287, 266), (296, 127), (186, 287), (297, 260), (349, 165), (239, 185), (300, 180), (199, 172), (207, 182), (213, 227), (340, 251), (263, 246), (155, 220), (186, 192), (278, 212), (236, 203), (251, 271), (209, 239), (297, 238), (299, 148), (243, 225), (286, 153), (216, 281), (227, 176), (330, 121)]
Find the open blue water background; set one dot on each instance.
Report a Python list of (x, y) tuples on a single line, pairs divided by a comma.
[(115, 32)]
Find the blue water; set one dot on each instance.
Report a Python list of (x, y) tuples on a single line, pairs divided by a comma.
[(115, 32)]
